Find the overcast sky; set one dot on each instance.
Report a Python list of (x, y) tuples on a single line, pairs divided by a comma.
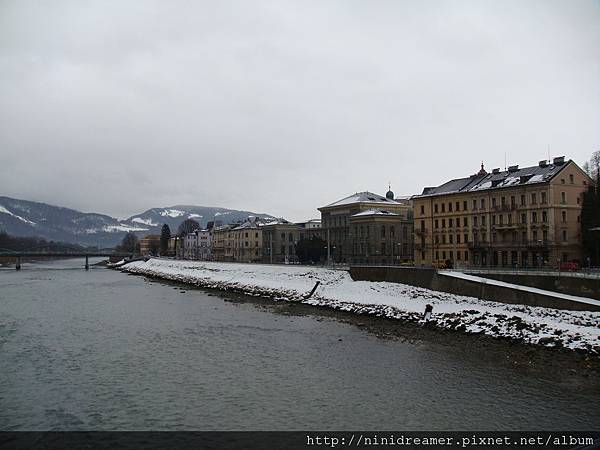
[(282, 107)]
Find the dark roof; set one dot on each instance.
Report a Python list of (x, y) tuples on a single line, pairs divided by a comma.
[(497, 179)]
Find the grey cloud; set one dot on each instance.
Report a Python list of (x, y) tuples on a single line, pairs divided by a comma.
[(284, 106)]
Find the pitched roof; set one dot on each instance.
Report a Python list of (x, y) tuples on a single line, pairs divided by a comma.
[(363, 197), (497, 179)]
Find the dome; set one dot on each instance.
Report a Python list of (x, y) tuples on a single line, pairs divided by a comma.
[(389, 194)]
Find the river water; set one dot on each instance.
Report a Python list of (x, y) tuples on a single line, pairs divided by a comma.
[(102, 350)]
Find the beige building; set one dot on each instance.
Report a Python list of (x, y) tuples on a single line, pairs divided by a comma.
[(222, 243), (521, 217), (368, 228), (247, 241), (150, 245)]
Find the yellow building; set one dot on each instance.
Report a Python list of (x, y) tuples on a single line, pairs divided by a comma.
[(521, 217)]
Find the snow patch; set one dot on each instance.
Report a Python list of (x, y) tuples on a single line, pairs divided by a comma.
[(144, 221), (22, 219), (172, 213), (122, 227)]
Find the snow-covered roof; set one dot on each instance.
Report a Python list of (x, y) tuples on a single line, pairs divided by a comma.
[(497, 179), (363, 197), (374, 212)]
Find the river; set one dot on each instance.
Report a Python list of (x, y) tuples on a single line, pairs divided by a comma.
[(103, 350)]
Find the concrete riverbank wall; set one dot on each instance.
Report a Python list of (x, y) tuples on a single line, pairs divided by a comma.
[(565, 284), (485, 289)]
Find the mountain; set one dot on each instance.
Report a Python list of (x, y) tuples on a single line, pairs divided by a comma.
[(173, 215), (26, 218)]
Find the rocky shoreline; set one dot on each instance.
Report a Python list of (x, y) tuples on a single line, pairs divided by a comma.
[(558, 329)]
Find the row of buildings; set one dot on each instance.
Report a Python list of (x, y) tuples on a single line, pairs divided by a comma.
[(519, 217)]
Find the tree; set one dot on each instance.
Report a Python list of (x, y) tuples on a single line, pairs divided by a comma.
[(129, 243), (311, 250), (187, 226), (590, 222), (592, 167), (165, 236)]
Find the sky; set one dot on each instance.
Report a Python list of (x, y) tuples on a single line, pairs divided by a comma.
[(284, 106)]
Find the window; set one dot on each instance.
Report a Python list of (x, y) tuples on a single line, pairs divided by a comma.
[(493, 202), (451, 254), (451, 239), (563, 197), (523, 218), (392, 232), (512, 201), (422, 225), (449, 207), (562, 181), (382, 231), (422, 209), (534, 217), (483, 203), (544, 217), (466, 255), (510, 219), (503, 201), (437, 239), (465, 205), (458, 238), (466, 236), (443, 207), (436, 224), (466, 221), (450, 223), (475, 221), (564, 216), (543, 197), (533, 198), (494, 219), (474, 204), (458, 256), (443, 223), (483, 221), (523, 200), (564, 233), (443, 238)]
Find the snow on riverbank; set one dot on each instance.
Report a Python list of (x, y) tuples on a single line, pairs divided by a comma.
[(536, 325)]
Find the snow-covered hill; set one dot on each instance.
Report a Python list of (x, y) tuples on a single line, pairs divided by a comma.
[(26, 218)]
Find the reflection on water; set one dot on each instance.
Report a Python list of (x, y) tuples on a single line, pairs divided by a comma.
[(104, 350)]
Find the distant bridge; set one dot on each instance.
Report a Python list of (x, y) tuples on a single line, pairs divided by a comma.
[(46, 252)]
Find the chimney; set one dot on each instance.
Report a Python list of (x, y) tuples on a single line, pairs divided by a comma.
[(543, 163), (513, 168), (559, 160), (496, 171)]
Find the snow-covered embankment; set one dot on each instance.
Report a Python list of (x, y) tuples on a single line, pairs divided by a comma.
[(544, 326)]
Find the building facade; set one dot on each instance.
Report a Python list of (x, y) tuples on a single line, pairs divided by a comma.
[(247, 241), (280, 240), (528, 217), (150, 245), (196, 245), (342, 222)]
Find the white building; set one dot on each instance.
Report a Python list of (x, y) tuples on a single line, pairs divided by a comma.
[(196, 245)]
